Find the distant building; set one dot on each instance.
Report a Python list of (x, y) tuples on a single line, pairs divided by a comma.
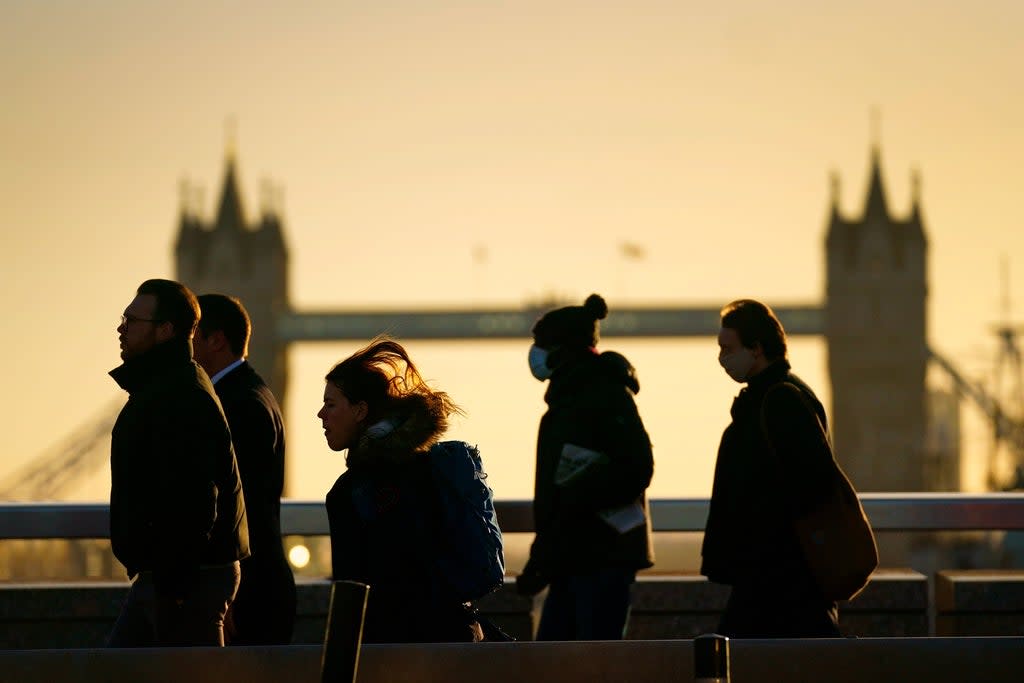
[(232, 256), (874, 323), (876, 331)]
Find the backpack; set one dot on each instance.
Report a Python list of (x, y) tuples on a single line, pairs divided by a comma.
[(470, 559)]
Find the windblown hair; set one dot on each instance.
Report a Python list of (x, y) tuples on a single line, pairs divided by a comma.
[(383, 375), (755, 323)]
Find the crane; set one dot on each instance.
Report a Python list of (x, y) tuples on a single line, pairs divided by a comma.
[(1005, 429), (52, 473)]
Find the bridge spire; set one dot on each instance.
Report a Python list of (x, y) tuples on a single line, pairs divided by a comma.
[(230, 214), (876, 129), (876, 205), (230, 138), (834, 191), (915, 196)]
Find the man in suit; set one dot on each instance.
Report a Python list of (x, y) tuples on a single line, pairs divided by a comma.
[(263, 612)]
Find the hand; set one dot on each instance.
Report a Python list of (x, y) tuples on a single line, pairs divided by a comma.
[(531, 581)]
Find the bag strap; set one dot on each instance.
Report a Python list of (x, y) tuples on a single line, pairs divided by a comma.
[(834, 471), (807, 404)]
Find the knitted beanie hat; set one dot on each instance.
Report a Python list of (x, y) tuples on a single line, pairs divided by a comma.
[(571, 326)]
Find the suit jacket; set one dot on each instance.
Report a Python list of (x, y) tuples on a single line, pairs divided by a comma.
[(264, 609)]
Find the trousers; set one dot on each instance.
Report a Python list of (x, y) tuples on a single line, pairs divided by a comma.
[(593, 606), (151, 620), (764, 612)]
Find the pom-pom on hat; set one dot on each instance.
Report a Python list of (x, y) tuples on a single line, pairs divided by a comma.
[(572, 326)]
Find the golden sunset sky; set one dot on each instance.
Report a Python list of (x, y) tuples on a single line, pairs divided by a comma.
[(457, 153)]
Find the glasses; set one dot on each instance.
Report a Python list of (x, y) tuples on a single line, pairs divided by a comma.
[(129, 319)]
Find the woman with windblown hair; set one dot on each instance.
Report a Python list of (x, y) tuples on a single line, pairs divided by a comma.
[(379, 409)]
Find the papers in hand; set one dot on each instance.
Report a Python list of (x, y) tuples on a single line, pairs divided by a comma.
[(572, 465), (574, 462), (625, 518)]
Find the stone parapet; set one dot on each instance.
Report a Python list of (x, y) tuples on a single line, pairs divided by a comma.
[(979, 602), (58, 615), (837, 660), (893, 604), (79, 615), (675, 606)]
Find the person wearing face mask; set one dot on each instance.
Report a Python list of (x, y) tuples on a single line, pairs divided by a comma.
[(773, 467), (594, 464)]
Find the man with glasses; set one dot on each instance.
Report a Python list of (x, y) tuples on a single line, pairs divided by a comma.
[(177, 515)]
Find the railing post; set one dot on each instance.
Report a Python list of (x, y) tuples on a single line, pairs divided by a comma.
[(344, 634), (711, 659)]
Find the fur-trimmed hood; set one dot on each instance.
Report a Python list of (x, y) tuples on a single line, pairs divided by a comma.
[(400, 437)]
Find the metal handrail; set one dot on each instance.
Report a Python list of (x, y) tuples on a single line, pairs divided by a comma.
[(887, 511)]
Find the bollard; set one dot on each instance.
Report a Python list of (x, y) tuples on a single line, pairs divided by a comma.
[(344, 634), (711, 659)]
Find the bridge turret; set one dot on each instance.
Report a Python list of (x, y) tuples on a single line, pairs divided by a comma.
[(250, 261), (875, 325)]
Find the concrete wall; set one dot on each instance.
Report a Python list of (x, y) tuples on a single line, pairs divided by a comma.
[(979, 602), (79, 615), (840, 660)]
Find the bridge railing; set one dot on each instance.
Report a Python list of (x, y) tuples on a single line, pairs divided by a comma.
[(927, 596), (888, 512)]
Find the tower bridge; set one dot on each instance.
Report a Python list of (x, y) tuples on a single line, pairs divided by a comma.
[(515, 323), (874, 301)]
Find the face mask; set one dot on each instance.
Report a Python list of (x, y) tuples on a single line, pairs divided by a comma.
[(738, 364), (538, 358)]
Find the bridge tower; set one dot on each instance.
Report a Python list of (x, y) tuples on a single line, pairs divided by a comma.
[(875, 327), (248, 260)]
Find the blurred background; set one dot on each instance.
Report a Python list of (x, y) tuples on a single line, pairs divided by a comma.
[(336, 158)]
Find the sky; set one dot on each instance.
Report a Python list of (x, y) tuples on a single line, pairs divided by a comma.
[(462, 153)]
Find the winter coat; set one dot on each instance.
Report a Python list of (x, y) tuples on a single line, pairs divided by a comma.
[(263, 611), (767, 474), (590, 405), (175, 494), (380, 512)]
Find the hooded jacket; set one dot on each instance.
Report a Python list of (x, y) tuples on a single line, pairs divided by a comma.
[(175, 495), (590, 405), (379, 512)]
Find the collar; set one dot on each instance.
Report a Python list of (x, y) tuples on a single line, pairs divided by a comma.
[(578, 367), (750, 396), (773, 374), (758, 385), (137, 372), (226, 370)]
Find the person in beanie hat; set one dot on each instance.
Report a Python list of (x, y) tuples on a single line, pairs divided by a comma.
[(594, 464)]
